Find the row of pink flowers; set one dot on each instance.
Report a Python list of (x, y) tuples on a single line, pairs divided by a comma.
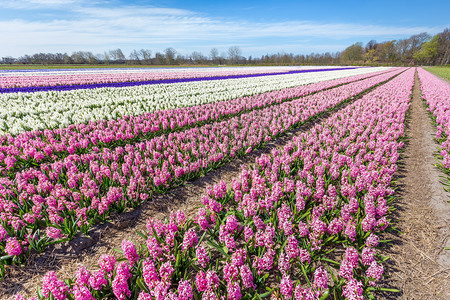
[(436, 93), (301, 223), (33, 147), (103, 76), (81, 188)]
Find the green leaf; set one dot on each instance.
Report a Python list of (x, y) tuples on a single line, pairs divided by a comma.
[(5, 257), (141, 284), (39, 293), (385, 258), (304, 273), (330, 261), (263, 278), (201, 239), (218, 248), (384, 289), (265, 294), (332, 274), (177, 262), (325, 295), (118, 250), (144, 236)]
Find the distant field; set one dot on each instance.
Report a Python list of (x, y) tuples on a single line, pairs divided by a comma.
[(443, 72), (23, 67)]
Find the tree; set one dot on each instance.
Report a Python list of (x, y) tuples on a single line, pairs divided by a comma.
[(371, 45), (135, 57), (170, 55), (197, 57), (370, 57), (146, 56), (90, 58), (117, 55), (8, 60), (352, 54), (106, 58), (443, 49), (416, 42), (234, 54), (428, 51), (159, 58), (77, 57), (407, 48), (401, 48), (387, 51), (214, 55)]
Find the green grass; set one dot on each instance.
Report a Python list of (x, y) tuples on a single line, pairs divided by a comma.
[(443, 72)]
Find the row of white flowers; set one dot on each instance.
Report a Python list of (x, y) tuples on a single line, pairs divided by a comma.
[(206, 70), (20, 112)]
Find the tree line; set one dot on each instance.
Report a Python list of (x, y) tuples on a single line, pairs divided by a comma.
[(419, 49)]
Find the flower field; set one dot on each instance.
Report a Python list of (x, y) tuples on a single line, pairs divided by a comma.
[(13, 81), (305, 221), (436, 94), (48, 110)]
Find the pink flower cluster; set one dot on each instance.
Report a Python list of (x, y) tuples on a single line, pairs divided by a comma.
[(91, 184), (436, 94)]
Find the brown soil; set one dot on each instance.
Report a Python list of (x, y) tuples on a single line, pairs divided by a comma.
[(419, 266)]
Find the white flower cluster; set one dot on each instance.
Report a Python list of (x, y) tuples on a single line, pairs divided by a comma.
[(21, 112)]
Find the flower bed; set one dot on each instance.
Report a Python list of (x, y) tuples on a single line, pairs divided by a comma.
[(436, 94), (68, 195), (32, 148), (70, 80), (302, 222), (21, 112)]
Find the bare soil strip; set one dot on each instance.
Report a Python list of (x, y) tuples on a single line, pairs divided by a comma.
[(419, 266)]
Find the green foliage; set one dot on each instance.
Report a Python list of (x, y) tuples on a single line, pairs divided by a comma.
[(353, 53), (428, 51)]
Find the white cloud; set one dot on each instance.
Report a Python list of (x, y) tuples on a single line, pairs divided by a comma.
[(97, 28), (36, 4)]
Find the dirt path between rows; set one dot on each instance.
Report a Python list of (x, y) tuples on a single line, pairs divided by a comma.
[(419, 266), (84, 251)]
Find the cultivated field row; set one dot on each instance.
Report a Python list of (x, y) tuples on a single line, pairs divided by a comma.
[(46, 80), (21, 112)]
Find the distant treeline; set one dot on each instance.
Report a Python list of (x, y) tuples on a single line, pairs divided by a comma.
[(419, 49)]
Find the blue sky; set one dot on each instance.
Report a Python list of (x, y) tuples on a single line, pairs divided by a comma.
[(257, 27)]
